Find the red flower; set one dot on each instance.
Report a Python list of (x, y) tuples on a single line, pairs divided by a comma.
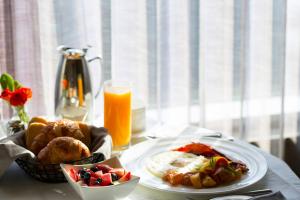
[(26, 91), (6, 94), (20, 96)]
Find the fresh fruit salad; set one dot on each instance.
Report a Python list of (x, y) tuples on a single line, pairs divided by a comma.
[(100, 175)]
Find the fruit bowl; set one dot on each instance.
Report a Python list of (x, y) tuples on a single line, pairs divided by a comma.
[(113, 192), (51, 172)]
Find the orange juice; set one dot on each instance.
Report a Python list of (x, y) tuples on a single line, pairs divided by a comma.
[(117, 114)]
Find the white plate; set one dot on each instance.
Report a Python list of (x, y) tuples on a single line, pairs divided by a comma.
[(134, 160)]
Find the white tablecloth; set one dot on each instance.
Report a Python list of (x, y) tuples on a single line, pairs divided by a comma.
[(15, 184)]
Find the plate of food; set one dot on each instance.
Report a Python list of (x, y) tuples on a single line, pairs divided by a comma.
[(203, 166)]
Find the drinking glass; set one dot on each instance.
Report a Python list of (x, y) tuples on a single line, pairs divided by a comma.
[(117, 112)]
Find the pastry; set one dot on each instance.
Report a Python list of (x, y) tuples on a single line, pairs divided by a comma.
[(56, 129), (38, 119), (63, 149), (86, 130), (33, 130)]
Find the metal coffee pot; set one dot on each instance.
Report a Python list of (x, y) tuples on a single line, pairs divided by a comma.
[(74, 97)]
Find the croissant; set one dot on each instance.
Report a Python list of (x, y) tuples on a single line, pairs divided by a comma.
[(63, 149), (86, 130)]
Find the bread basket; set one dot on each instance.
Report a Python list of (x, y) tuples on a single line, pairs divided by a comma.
[(101, 145)]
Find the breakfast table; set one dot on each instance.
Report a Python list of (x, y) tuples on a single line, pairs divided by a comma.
[(15, 184)]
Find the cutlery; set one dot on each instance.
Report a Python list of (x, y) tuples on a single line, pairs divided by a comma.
[(203, 135), (253, 193), (258, 192)]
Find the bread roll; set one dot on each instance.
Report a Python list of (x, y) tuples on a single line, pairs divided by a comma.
[(38, 119), (63, 149), (33, 130)]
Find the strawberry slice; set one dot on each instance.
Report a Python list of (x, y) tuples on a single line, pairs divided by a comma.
[(126, 177), (104, 168), (106, 179), (118, 171), (74, 175)]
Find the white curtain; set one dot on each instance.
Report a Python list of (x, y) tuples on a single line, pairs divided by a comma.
[(231, 66)]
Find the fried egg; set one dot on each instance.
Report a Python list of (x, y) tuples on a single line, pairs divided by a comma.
[(181, 162)]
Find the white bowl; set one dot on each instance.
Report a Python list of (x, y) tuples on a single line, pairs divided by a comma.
[(113, 192)]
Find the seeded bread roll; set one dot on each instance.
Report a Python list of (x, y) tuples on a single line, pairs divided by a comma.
[(63, 149)]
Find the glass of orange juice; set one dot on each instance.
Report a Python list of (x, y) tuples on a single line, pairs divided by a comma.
[(117, 112)]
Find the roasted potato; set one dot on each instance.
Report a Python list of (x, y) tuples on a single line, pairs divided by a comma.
[(208, 182)]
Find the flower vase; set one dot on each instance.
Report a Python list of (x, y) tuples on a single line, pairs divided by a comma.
[(14, 124)]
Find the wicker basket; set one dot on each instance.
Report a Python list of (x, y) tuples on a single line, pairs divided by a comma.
[(51, 172)]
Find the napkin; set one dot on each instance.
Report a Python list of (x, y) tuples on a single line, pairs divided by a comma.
[(272, 196), (13, 147)]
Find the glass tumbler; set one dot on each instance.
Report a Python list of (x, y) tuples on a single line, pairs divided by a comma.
[(117, 112)]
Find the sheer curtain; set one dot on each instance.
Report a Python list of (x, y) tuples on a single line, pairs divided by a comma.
[(231, 66)]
